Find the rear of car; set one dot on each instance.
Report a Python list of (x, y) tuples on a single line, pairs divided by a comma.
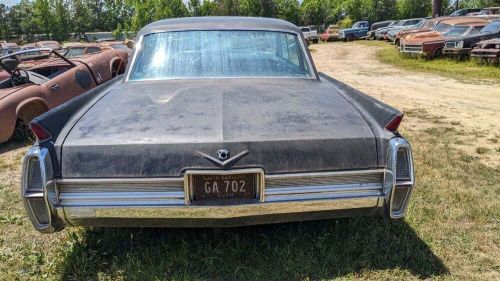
[(461, 47), (210, 132)]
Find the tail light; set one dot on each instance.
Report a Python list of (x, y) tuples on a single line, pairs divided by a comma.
[(393, 125), (40, 132)]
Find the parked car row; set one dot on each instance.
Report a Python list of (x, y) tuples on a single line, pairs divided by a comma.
[(454, 36)]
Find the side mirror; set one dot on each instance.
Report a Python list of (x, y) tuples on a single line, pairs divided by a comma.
[(10, 63)]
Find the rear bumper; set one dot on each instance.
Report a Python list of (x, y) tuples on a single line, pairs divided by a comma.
[(167, 202)]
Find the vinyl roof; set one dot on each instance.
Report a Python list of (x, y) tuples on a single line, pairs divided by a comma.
[(219, 23)]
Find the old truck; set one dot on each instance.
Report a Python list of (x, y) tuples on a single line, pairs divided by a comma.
[(358, 30), (310, 35)]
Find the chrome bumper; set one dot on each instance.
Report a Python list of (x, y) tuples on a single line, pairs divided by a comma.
[(165, 201)]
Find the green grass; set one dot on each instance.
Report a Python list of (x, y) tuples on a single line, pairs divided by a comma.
[(451, 232), (447, 67)]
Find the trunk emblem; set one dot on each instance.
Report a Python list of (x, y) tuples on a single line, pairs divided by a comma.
[(225, 161)]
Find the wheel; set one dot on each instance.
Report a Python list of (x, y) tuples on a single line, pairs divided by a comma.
[(350, 37), (396, 42), (438, 54)]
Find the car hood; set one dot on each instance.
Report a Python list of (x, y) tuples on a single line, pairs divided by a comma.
[(424, 37), (413, 31), (156, 128)]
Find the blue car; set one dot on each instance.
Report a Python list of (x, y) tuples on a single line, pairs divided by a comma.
[(358, 30)]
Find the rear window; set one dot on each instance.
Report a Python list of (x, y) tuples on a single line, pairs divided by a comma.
[(493, 27), (205, 54), (74, 52)]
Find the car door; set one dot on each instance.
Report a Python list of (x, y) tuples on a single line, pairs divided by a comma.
[(71, 83)]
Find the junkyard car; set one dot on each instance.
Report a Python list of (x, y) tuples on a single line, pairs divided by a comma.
[(381, 33), (330, 34), (488, 51), (208, 132), (358, 30), (377, 25), (430, 44), (80, 50), (464, 12), (391, 32), (461, 47), (29, 92), (310, 35), (7, 48)]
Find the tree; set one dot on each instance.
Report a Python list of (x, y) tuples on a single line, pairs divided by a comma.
[(42, 17), (194, 7), (288, 10), (80, 18), (61, 20), (4, 24), (250, 8), (414, 8), (208, 8), (315, 11)]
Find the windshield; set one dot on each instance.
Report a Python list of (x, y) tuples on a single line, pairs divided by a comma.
[(491, 28), (74, 52), (443, 27), (205, 54), (457, 31)]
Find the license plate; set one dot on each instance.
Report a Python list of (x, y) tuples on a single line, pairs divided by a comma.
[(224, 186)]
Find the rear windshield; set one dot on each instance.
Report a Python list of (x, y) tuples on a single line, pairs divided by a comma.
[(205, 54), (443, 27)]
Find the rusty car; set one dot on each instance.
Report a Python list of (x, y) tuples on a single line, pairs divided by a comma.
[(461, 46), (330, 34), (430, 44), (29, 92), (206, 132), (487, 51)]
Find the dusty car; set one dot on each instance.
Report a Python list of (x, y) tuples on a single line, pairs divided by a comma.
[(208, 132), (330, 34), (488, 51), (464, 12), (7, 48), (79, 50), (430, 44), (358, 30), (461, 47), (27, 93), (310, 35), (391, 32), (48, 44), (381, 33), (378, 25)]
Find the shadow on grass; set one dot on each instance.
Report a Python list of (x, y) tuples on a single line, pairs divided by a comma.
[(12, 145), (294, 251)]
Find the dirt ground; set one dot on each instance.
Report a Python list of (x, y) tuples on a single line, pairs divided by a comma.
[(470, 107)]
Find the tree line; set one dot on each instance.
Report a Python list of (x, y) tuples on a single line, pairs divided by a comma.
[(57, 19)]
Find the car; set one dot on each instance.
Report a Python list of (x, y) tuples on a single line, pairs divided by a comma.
[(330, 34), (48, 44), (461, 47), (309, 34), (381, 34), (464, 12), (206, 132), (430, 44), (29, 92), (487, 51), (79, 50), (358, 30), (391, 32), (7, 48), (490, 11), (377, 25)]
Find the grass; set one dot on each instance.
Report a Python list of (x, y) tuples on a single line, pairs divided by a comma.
[(451, 232), (470, 69)]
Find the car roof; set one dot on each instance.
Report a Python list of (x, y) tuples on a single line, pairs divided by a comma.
[(465, 20), (219, 23)]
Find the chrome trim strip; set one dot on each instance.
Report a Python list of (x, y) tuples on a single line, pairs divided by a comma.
[(206, 216)]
